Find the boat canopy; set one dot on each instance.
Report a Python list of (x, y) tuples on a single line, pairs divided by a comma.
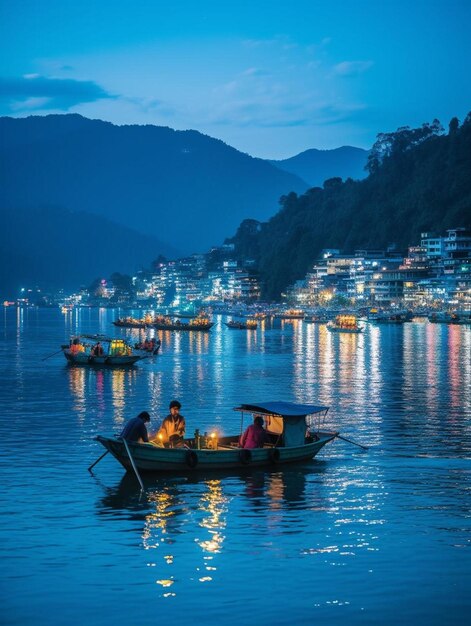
[(284, 409), (95, 337)]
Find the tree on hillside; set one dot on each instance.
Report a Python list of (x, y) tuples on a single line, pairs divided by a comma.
[(388, 145)]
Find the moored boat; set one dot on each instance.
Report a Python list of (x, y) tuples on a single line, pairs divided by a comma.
[(290, 314), (384, 317), (164, 322), (317, 319), (131, 322), (100, 351), (344, 324), (450, 317), (291, 437), (248, 324)]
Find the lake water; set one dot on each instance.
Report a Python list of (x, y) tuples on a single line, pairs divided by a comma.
[(362, 537)]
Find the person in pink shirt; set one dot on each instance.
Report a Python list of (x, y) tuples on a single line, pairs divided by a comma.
[(255, 435)]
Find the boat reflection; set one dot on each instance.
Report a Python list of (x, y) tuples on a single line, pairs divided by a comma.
[(194, 529)]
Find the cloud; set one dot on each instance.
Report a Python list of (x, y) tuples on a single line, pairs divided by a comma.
[(255, 71), (352, 68), (34, 92)]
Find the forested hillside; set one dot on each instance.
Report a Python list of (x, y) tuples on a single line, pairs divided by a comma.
[(419, 180)]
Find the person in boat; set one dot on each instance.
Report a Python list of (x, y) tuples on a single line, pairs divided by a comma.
[(135, 429), (97, 349), (255, 435), (76, 346), (173, 427)]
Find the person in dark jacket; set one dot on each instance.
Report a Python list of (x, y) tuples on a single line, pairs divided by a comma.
[(135, 429)]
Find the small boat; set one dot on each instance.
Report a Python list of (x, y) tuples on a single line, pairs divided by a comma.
[(381, 317), (131, 322), (248, 324), (344, 324), (290, 314), (291, 437), (167, 323), (260, 315), (454, 317), (317, 319), (100, 351)]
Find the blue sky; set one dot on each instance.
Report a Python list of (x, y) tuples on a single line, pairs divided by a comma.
[(269, 78)]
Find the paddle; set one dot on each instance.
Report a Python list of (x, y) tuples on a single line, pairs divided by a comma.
[(133, 464), (354, 443), (53, 354), (93, 464)]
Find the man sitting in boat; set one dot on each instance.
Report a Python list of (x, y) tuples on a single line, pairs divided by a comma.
[(135, 429), (254, 435), (173, 427), (97, 349), (76, 346)]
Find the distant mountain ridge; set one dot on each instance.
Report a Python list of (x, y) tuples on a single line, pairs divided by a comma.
[(183, 187), (55, 248), (315, 166)]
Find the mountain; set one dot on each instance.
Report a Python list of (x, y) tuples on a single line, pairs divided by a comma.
[(419, 180), (185, 188), (54, 247), (315, 166)]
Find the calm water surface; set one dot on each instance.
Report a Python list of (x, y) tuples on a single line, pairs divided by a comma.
[(372, 537)]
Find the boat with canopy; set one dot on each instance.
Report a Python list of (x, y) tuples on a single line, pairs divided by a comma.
[(345, 324), (165, 322), (100, 351), (293, 434), (132, 322)]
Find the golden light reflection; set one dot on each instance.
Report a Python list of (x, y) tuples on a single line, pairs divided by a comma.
[(213, 503), (156, 523), (161, 533)]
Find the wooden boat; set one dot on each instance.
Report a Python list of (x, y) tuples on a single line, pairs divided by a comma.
[(248, 324), (453, 317), (386, 318), (291, 314), (291, 437), (317, 319), (82, 350), (167, 323), (344, 324), (131, 322)]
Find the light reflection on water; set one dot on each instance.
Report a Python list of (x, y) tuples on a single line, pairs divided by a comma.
[(337, 538)]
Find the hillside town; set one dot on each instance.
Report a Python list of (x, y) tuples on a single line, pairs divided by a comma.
[(435, 274)]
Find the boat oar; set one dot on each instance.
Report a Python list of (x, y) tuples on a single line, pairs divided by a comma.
[(53, 354), (133, 464), (97, 461), (354, 442)]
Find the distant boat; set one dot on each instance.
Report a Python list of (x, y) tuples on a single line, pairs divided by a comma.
[(317, 319), (131, 322), (385, 317), (248, 324), (290, 314), (344, 324), (455, 318), (100, 351), (291, 437), (196, 324)]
